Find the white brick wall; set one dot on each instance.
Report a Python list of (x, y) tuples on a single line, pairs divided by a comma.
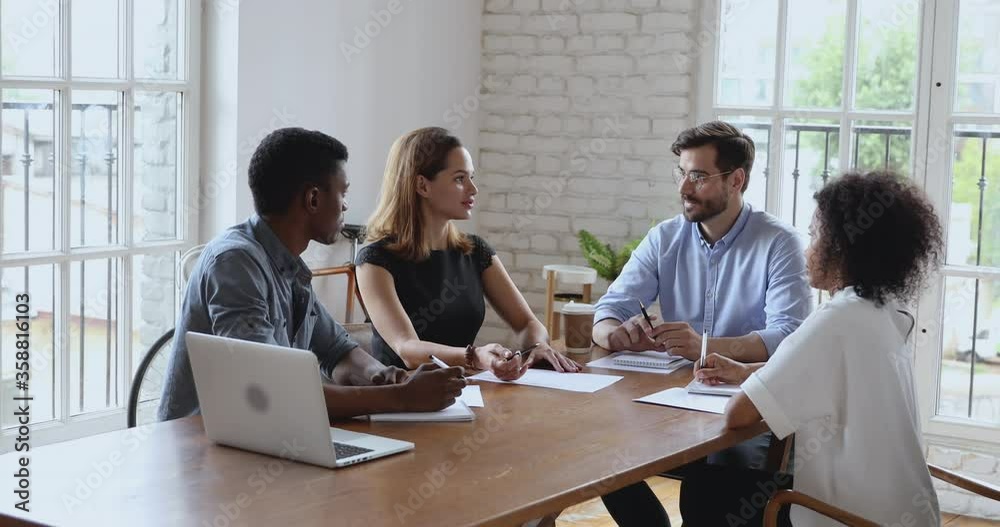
[(589, 94), (978, 465)]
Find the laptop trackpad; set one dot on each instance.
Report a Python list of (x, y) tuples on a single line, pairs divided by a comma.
[(346, 436)]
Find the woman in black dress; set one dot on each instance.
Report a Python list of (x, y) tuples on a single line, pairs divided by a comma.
[(425, 283)]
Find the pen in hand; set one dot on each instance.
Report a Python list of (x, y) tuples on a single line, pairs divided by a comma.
[(443, 365), (524, 353), (704, 349)]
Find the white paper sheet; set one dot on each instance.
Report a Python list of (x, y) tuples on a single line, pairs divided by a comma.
[(472, 396), (608, 363), (574, 382), (727, 390), (680, 398), (456, 412)]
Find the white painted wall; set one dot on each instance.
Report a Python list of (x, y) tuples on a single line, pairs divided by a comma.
[(364, 72)]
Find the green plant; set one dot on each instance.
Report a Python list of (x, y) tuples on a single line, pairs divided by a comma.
[(602, 258)]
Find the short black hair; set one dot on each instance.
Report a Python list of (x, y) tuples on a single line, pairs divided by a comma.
[(288, 160), (734, 149), (881, 231)]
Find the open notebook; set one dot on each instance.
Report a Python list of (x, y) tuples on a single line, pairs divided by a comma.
[(456, 412)]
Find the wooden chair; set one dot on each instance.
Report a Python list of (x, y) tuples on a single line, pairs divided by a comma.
[(791, 497), (350, 270)]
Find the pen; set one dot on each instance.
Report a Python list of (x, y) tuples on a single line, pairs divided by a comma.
[(525, 352), (704, 348), (439, 362), (644, 313)]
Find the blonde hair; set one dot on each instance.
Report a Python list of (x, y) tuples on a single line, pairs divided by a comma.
[(398, 218)]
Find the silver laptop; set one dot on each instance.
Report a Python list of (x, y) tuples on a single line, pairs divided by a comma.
[(269, 399)]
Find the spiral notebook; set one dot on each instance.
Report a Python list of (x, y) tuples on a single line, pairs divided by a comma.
[(648, 359)]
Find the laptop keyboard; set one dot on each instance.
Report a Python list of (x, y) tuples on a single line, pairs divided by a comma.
[(344, 450)]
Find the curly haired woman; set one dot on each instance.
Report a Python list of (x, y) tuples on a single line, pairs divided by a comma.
[(843, 382)]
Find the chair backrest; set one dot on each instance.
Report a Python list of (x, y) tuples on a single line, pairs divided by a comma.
[(185, 266), (144, 394)]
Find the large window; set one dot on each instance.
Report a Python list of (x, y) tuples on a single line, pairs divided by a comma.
[(832, 85), (97, 124)]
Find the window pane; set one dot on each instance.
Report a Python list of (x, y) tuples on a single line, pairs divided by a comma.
[(39, 283), (881, 145), (978, 57), (94, 182), (971, 336), (974, 232), (887, 54), (760, 131), (746, 52), (814, 69), (96, 34), (93, 335), (29, 29), (28, 171), (810, 160), (157, 164), (154, 294), (158, 33)]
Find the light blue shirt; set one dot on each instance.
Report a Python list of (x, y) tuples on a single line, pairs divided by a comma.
[(753, 280)]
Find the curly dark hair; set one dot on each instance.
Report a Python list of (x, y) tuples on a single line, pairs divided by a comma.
[(288, 160), (880, 231)]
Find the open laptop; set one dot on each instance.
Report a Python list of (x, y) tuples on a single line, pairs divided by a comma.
[(269, 399)]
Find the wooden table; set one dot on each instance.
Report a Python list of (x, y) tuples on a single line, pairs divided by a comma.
[(531, 451)]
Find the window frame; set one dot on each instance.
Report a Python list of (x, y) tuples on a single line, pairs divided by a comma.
[(68, 426), (935, 61)]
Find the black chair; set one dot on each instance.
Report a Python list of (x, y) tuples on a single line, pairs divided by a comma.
[(148, 380)]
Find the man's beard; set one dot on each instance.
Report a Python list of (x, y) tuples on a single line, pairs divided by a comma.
[(707, 210)]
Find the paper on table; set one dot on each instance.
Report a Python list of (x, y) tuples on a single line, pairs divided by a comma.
[(574, 382), (472, 396), (727, 390), (456, 412), (609, 364), (680, 398)]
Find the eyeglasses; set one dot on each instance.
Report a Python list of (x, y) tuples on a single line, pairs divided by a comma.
[(696, 177)]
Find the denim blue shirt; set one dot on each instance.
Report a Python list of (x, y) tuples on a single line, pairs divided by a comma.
[(753, 280), (247, 285)]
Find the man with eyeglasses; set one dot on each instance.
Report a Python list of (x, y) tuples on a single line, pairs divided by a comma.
[(719, 268)]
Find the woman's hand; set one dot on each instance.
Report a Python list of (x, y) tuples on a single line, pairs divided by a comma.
[(721, 370), (561, 363), (500, 361)]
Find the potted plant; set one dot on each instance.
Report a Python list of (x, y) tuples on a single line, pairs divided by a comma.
[(602, 258)]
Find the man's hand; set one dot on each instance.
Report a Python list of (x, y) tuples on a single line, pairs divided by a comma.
[(633, 335), (389, 375), (721, 370), (430, 388), (677, 338)]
